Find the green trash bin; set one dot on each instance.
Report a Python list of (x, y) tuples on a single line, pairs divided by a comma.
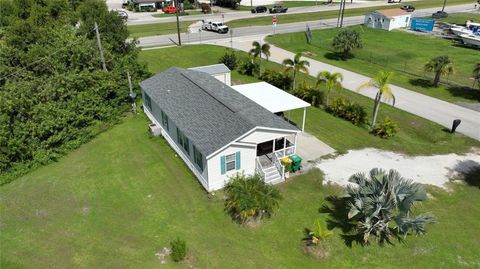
[(296, 162)]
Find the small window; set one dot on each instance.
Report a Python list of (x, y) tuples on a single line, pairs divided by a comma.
[(165, 121), (230, 162), (198, 158), (183, 141), (148, 102)]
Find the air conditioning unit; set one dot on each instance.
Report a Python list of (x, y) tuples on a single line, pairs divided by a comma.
[(155, 129)]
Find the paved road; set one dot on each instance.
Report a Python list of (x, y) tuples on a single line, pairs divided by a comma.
[(147, 18), (280, 29)]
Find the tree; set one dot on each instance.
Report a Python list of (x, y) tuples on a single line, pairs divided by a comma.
[(229, 59), (258, 50), (380, 82), (476, 75), (249, 198), (346, 41), (333, 81), (374, 201), (296, 65), (441, 66)]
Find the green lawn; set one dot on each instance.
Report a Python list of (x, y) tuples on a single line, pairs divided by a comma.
[(397, 51), (119, 199), (461, 18), (416, 135), (349, 12), (157, 29)]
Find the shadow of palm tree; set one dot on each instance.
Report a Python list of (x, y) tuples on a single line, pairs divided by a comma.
[(338, 218), (470, 170)]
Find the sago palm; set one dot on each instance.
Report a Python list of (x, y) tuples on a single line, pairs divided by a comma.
[(380, 82), (259, 49), (441, 66), (476, 75), (382, 197), (295, 65), (333, 81)]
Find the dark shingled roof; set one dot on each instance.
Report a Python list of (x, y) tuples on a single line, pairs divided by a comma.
[(210, 113)]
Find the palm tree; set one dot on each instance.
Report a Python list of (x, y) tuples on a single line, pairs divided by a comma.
[(296, 65), (476, 75), (441, 66), (333, 81), (380, 82), (249, 198), (258, 50), (376, 200)]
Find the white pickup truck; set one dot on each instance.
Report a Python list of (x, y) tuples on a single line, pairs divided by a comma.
[(214, 26)]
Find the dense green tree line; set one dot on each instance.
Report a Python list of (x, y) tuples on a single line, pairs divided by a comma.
[(54, 94)]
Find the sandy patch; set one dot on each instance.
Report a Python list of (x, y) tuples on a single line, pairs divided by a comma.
[(434, 170)]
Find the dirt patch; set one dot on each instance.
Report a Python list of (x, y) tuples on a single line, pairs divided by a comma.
[(319, 252), (434, 170)]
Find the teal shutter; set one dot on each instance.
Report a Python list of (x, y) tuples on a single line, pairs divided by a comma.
[(237, 160), (223, 165)]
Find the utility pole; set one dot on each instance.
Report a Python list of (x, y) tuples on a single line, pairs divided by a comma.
[(99, 43), (444, 2), (231, 38), (178, 23), (132, 94), (343, 13)]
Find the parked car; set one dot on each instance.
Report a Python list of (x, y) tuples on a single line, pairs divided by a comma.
[(259, 9), (408, 8), (394, 1), (122, 14), (215, 27), (125, 3), (278, 9), (440, 15), (169, 9)]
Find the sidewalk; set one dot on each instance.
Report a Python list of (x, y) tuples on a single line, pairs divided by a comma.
[(424, 106)]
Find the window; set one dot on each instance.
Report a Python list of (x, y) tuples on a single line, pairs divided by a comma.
[(230, 162), (183, 141), (165, 121), (148, 102), (197, 155)]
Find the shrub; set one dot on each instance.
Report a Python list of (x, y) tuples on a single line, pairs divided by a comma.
[(373, 201), (250, 199), (187, 5), (348, 110), (229, 59), (277, 79), (205, 8), (309, 93), (345, 41), (179, 249), (318, 234), (249, 68), (388, 128)]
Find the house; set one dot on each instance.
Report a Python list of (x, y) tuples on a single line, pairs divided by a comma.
[(153, 4), (218, 71), (217, 130), (387, 19)]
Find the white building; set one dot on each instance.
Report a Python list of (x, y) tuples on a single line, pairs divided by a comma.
[(218, 71), (387, 19), (219, 131)]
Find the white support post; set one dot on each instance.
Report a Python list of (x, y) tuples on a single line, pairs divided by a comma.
[(304, 116), (295, 145)]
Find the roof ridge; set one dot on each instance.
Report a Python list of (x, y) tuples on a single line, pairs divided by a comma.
[(204, 90)]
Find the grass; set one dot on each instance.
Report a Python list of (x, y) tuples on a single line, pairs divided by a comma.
[(116, 201), (461, 18), (397, 51), (310, 16), (153, 29), (416, 136)]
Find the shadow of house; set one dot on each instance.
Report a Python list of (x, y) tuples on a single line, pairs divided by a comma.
[(470, 171)]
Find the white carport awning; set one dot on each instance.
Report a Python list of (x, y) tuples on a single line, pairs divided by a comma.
[(270, 97)]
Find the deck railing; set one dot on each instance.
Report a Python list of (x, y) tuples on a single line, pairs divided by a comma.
[(279, 166), (259, 168), (285, 152)]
